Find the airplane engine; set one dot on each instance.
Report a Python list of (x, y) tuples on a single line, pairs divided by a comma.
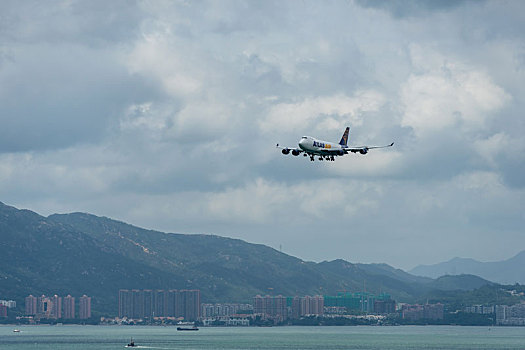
[(363, 151), (285, 151), (295, 152), (341, 153)]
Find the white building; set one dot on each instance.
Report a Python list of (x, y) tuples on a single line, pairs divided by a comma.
[(510, 315), (9, 303)]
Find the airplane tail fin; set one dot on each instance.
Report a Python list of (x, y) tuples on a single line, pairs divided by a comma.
[(344, 139)]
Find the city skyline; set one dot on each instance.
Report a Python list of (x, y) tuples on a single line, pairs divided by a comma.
[(147, 303), (57, 307)]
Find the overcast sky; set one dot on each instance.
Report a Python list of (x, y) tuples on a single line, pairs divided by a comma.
[(165, 114)]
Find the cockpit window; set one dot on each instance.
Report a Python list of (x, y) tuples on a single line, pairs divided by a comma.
[(304, 137)]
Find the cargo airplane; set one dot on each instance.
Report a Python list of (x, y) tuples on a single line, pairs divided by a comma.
[(312, 147)]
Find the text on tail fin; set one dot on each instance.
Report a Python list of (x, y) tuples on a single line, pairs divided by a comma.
[(344, 139)]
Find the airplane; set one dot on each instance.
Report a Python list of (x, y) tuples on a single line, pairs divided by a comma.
[(312, 147)]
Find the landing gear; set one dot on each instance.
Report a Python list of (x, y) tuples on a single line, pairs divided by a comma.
[(312, 158), (332, 158), (320, 158)]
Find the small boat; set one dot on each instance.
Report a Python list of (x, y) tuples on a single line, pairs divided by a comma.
[(16, 330), (131, 344), (194, 328)]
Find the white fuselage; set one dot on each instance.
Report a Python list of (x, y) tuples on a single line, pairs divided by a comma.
[(314, 146)]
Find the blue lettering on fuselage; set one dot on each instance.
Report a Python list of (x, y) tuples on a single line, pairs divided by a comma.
[(318, 144)]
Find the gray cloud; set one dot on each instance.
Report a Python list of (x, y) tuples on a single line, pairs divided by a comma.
[(400, 8), (92, 23), (166, 115), (62, 95)]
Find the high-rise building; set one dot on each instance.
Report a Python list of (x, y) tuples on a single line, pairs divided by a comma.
[(510, 315), (30, 305), (139, 304), (148, 303), (84, 307), (56, 311), (173, 308), (296, 307), (3, 310), (191, 304), (427, 311), (159, 304), (68, 306), (45, 307), (258, 305), (307, 305), (275, 307), (312, 305), (125, 303), (384, 306), (434, 311)]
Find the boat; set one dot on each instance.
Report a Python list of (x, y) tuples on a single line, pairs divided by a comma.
[(193, 328), (187, 327), (131, 344), (16, 330)]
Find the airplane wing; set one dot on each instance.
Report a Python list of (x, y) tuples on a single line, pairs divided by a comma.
[(364, 149)]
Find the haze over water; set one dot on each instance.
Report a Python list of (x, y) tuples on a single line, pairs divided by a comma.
[(326, 338)]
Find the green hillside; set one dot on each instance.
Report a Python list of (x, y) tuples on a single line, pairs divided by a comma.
[(84, 254)]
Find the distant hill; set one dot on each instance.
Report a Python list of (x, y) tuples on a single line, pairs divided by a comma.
[(85, 254), (508, 271)]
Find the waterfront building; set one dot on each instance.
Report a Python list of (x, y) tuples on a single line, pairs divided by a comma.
[(384, 306), (84, 310), (3, 310), (31, 305), (434, 311), (68, 305), (312, 305), (56, 311), (160, 306), (501, 313), (307, 305), (480, 309), (510, 315), (148, 303), (412, 312), (418, 312), (224, 309), (174, 307), (125, 305), (272, 306), (225, 321), (137, 298), (49, 307), (335, 310), (140, 304), (362, 302), (191, 304), (56, 307), (11, 304)]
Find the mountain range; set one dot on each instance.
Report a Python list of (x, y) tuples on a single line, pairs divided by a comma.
[(80, 254), (508, 271)]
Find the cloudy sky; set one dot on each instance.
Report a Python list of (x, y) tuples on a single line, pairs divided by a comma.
[(165, 114)]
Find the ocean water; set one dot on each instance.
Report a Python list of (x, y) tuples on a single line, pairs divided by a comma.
[(326, 338)]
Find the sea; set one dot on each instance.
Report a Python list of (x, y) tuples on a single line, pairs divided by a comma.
[(73, 337)]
